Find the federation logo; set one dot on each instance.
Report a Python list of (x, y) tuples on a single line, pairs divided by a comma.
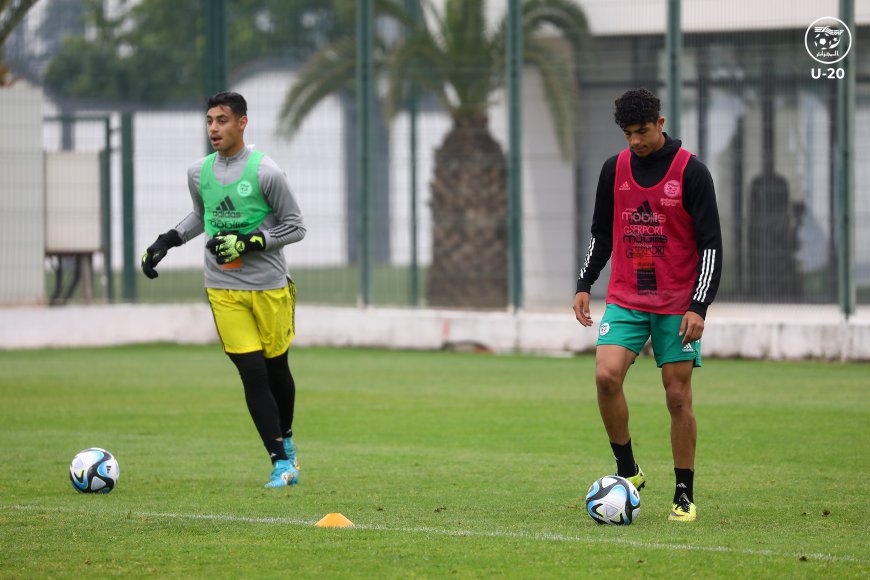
[(828, 40), (244, 188), (672, 188), (604, 328)]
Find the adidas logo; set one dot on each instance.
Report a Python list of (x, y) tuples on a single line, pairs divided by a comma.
[(625, 186), (681, 486), (226, 209), (688, 348), (227, 204)]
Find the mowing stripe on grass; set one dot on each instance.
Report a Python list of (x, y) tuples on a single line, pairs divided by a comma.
[(520, 535)]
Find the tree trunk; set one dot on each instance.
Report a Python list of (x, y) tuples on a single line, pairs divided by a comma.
[(469, 220)]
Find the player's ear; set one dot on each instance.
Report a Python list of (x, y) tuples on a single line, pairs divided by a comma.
[(243, 122)]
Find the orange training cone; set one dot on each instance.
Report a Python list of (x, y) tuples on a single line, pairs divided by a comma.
[(335, 520)]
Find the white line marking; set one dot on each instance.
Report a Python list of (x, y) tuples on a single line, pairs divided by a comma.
[(522, 535)]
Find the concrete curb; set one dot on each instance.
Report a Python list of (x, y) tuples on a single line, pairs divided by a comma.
[(732, 331)]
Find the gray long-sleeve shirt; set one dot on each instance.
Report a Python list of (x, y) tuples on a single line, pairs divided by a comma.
[(266, 270)]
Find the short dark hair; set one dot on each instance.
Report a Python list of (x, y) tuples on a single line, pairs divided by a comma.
[(637, 106), (234, 101)]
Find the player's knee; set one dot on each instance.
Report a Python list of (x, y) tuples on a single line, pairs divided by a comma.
[(678, 397), (608, 383)]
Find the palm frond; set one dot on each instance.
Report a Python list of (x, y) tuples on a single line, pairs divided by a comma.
[(566, 16), (393, 9), (12, 12), (330, 70), (451, 54), (557, 74), (418, 60), (560, 92)]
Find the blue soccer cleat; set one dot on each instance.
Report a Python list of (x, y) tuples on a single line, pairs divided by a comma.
[(290, 450), (283, 474)]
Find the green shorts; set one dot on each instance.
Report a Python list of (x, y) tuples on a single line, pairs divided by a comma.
[(631, 329)]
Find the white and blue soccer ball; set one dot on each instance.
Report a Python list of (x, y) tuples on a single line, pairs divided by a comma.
[(613, 500), (94, 470)]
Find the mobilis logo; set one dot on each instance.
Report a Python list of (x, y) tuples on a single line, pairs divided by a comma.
[(635, 216), (828, 40)]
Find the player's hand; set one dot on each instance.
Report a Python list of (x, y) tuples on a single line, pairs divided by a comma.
[(228, 247), (581, 308), (212, 244), (692, 327), (157, 251)]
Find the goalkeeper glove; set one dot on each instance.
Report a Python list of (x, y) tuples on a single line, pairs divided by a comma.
[(228, 247), (157, 251)]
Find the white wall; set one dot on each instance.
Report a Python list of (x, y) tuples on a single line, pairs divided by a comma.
[(622, 17), (22, 203), (735, 330)]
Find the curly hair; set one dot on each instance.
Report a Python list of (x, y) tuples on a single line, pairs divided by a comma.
[(637, 106)]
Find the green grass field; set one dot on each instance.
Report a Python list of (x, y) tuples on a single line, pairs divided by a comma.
[(449, 464)]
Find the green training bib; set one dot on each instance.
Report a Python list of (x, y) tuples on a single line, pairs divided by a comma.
[(237, 207)]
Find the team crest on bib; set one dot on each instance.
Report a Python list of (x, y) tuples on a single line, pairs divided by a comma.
[(672, 188), (244, 188), (604, 328)]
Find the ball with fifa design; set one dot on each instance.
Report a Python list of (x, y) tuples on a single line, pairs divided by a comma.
[(94, 470), (613, 500)]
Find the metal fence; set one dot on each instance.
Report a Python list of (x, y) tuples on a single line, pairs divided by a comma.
[(374, 183)]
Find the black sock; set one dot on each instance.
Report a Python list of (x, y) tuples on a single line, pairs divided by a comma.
[(283, 389), (685, 480), (261, 403), (625, 465), (275, 449)]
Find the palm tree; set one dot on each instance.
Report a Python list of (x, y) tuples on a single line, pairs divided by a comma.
[(453, 56), (12, 12)]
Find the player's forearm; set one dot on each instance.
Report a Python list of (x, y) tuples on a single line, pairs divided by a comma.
[(190, 227), (285, 233), (700, 203), (597, 255)]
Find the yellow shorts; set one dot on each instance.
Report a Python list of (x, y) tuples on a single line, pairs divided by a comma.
[(252, 320)]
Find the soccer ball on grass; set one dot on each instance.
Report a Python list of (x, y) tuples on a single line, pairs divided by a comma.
[(613, 500), (94, 470)]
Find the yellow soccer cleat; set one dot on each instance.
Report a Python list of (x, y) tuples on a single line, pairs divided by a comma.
[(638, 479), (683, 511)]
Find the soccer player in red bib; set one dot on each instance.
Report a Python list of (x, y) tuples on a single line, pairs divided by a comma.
[(243, 203), (656, 217)]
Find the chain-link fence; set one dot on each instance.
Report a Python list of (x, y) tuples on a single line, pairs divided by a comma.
[(431, 225)]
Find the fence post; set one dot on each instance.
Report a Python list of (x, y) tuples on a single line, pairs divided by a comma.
[(365, 99), (128, 208), (413, 8), (674, 44), (106, 171), (844, 173), (514, 59), (216, 55)]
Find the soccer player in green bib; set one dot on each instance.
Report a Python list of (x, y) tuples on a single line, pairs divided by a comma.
[(656, 220), (243, 203)]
